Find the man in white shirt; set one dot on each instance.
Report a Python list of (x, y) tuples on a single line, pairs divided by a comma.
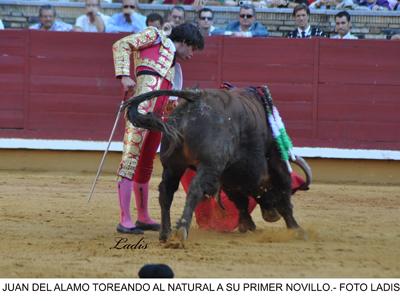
[(129, 20), (343, 26), (1, 25), (93, 20), (48, 22)]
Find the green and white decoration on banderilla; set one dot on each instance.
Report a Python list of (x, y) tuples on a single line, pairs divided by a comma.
[(281, 137), (279, 133)]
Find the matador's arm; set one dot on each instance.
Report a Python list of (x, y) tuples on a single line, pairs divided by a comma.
[(123, 48)]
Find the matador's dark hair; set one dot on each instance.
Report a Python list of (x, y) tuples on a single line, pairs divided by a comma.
[(189, 34)]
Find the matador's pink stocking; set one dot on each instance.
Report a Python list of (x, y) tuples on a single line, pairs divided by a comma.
[(124, 194)]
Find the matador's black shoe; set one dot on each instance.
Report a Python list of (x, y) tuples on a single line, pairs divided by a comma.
[(148, 227), (126, 230)]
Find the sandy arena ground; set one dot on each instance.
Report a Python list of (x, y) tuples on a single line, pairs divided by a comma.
[(48, 230)]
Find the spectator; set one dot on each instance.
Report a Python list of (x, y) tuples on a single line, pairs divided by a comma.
[(332, 4), (129, 20), (301, 15), (346, 4), (176, 16), (93, 20), (247, 26), (47, 18), (205, 22), (1, 25), (343, 26), (285, 3), (390, 33), (374, 4), (395, 4), (155, 20)]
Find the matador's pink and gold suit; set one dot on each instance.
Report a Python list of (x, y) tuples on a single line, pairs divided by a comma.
[(153, 59)]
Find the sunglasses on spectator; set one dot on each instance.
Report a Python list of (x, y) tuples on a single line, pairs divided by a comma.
[(177, 17), (130, 6), (246, 16), (206, 18)]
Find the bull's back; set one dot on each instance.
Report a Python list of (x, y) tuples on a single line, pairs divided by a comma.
[(222, 125), (208, 134), (239, 105)]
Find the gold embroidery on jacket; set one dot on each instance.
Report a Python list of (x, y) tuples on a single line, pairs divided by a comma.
[(123, 49)]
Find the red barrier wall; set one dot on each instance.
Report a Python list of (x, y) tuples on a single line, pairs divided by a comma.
[(331, 93)]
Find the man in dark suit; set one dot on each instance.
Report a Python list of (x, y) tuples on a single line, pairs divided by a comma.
[(301, 14)]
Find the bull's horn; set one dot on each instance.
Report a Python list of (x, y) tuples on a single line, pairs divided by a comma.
[(307, 171)]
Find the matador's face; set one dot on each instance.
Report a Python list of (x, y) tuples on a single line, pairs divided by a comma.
[(184, 51)]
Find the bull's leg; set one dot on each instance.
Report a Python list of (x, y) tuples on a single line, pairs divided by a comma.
[(242, 204), (204, 184), (285, 209), (281, 189), (167, 188), (266, 197)]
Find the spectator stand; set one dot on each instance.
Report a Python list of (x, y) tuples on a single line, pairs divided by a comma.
[(279, 21)]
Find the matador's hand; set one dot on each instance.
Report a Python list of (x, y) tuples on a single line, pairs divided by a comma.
[(127, 83)]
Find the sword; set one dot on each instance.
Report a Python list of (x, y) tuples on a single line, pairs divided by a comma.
[(108, 147)]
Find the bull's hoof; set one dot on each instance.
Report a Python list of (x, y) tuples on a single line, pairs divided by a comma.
[(270, 215), (163, 238), (182, 234), (246, 225), (164, 235), (177, 239), (242, 228)]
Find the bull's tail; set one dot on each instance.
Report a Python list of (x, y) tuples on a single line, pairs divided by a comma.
[(189, 95), (152, 122)]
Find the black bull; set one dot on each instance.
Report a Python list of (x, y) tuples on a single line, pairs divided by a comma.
[(225, 136)]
